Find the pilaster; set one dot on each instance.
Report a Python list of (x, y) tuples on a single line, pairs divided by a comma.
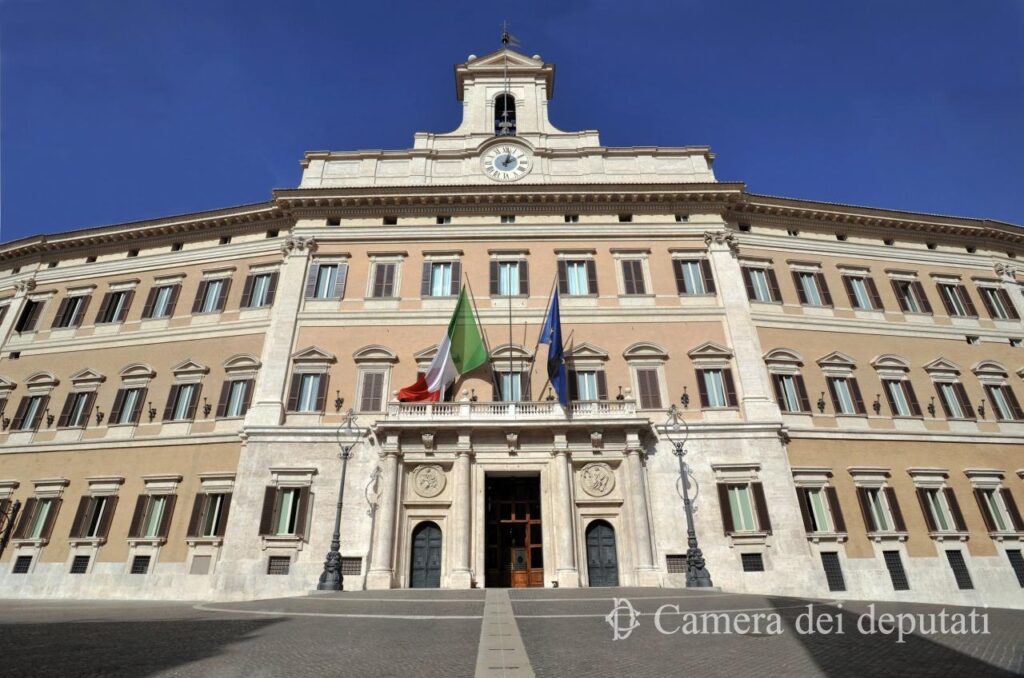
[(381, 572)]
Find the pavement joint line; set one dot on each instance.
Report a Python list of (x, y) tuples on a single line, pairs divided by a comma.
[(510, 659), (282, 613)]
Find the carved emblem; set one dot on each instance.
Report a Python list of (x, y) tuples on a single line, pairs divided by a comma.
[(597, 479), (726, 238), (428, 481), (1007, 270), (298, 245), (25, 285)]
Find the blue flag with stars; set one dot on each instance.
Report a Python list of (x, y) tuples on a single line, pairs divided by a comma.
[(551, 334)]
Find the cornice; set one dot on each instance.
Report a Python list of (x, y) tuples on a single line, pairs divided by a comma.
[(819, 323), (905, 436), (103, 444)]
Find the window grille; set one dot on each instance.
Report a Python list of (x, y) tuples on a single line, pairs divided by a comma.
[(1017, 563), (676, 564), (140, 565), (351, 567), (833, 571), (278, 565), (896, 572), (22, 564), (752, 562), (959, 567), (80, 565)]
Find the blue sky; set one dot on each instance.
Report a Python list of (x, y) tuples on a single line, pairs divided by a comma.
[(117, 111)]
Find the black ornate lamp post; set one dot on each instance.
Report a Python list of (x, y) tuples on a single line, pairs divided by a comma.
[(677, 431), (348, 435)]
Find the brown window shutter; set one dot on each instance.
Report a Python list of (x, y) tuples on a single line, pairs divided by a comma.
[(965, 403), (58, 320), (137, 414), (201, 502), (115, 409), (628, 280), (311, 276), (222, 299), (677, 268), (922, 297), (942, 401), (865, 509), (897, 290), (524, 277), (173, 301), (389, 280), (101, 316), (304, 509), (592, 277), (222, 523), (954, 508), (103, 530), (764, 520), (876, 298), (222, 401), (293, 392), (339, 283), (200, 293), (894, 506), (835, 509), (456, 278), (849, 291), (1011, 398), (709, 278), (1008, 304), (801, 389), (1011, 508), (968, 302), (27, 514), (945, 298), (269, 510), (250, 386), (425, 280), (494, 270), (702, 389), (826, 295), (650, 393), (979, 496), (90, 404), (526, 386), (987, 301), (135, 529), (723, 505), (773, 284), (80, 313), (129, 296), (321, 394), (34, 424), (908, 389), (373, 392), (147, 308), (78, 524), (172, 398), (602, 385), (165, 519), (194, 402), (51, 518), (799, 288), (563, 278), (65, 412), (247, 291), (830, 382), (748, 283), (780, 396), (272, 286), (730, 388), (922, 498), (19, 414), (858, 400), (805, 512), (574, 385)]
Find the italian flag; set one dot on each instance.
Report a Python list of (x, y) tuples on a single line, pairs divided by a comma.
[(461, 350)]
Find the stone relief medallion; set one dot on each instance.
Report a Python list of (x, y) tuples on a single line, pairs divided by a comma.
[(597, 479), (428, 481)]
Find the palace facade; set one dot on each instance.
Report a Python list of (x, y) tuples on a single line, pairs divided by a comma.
[(175, 391)]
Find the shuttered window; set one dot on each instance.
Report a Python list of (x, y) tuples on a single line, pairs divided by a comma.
[(309, 386), (371, 398), (182, 402), (956, 300), (811, 288), (93, 518), (509, 278), (37, 518), (577, 277), (161, 301), (716, 388), (761, 284), (954, 401), (211, 295), (152, 516), (911, 296), (71, 311), (902, 401), (846, 396), (30, 312), (693, 277), (75, 413), (259, 290), (743, 507), (998, 303), (791, 393), (649, 388), (384, 280), (1005, 403), (285, 510), (114, 307), (863, 293), (633, 276), (880, 509), (127, 407), (29, 413), (235, 397), (441, 279), (510, 386), (209, 515)]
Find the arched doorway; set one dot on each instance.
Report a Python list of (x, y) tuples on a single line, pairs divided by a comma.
[(426, 557), (602, 561)]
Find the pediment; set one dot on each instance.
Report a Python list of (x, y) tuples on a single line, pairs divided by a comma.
[(783, 355), (990, 367), (44, 379), (587, 350), (890, 361), (6, 385), (313, 354), (425, 355), (243, 362), (645, 349), (189, 367), (137, 371), (513, 350), (375, 353), (710, 349), (87, 376), (942, 365), (497, 60), (837, 359)]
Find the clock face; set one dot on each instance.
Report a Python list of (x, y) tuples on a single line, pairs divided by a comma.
[(506, 162)]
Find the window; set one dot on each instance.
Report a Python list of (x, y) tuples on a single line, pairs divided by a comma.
[(910, 294), (444, 220), (1017, 564), (901, 397), (29, 413), (259, 290), (22, 565), (284, 511), (761, 284), (273, 233), (999, 509), (114, 306), (326, 281), (649, 389), (71, 311), (577, 277), (235, 397), (941, 509), (309, 392), (625, 218), (176, 247), (182, 402), (572, 218), (833, 571), (384, 280), (509, 278), (960, 571), (716, 388), (30, 313), (998, 303), (675, 563), (209, 515), (693, 276), (811, 288), (504, 115), (880, 509), (80, 564), (791, 393), (820, 509), (683, 218), (127, 406), (633, 276), (953, 398), (161, 301), (862, 292), (752, 562), (441, 279), (92, 520), (37, 518), (897, 575), (588, 385), (225, 240), (152, 517), (510, 386), (140, 565), (279, 564), (508, 218), (371, 396), (743, 507), (390, 221), (955, 299), (77, 407), (846, 397), (212, 295)]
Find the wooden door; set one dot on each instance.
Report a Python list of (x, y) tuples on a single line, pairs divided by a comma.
[(426, 557), (602, 560)]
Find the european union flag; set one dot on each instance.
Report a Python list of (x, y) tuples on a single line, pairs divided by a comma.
[(551, 334)]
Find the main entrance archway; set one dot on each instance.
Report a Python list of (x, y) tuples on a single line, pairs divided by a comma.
[(426, 557), (515, 551), (602, 560)]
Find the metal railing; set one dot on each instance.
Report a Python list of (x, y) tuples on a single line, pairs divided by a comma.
[(595, 409)]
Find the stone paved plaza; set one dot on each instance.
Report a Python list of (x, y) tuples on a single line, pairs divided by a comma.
[(546, 632)]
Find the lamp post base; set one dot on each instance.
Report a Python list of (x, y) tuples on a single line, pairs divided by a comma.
[(330, 578), (697, 575)]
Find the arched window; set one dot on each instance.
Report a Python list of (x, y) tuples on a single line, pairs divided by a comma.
[(504, 115)]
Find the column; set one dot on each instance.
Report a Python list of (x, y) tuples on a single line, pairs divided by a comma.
[(758, 403), (381, 569), (461, 527), (268, 397), (566, 573), (646, 574)]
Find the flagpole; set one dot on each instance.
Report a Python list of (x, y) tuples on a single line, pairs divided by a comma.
[(551, 294), (483, 333)]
